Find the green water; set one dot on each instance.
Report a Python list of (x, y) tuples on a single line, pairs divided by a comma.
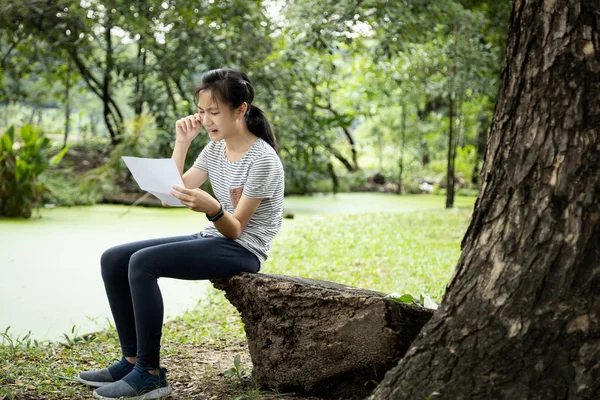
[(49, 267)]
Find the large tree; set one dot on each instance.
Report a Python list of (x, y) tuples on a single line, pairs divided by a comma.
[(521, 315)]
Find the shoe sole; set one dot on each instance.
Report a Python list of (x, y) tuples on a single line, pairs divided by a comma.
[(92, 383), (155, 394)]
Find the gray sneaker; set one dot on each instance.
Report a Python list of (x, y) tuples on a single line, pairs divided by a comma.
[(139, 384), (102, 377)]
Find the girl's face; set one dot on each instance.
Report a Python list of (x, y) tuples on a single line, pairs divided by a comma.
[(219, 120)]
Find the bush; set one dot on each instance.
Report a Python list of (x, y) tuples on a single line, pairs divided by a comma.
[(22, 160), (65, 188)]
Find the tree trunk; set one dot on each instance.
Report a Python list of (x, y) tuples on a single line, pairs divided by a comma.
[(113, 130), (521, 315), (138, 104), (450, 165), (67, 104), (402, 147), (320, 337), (480, 144), (451, 132), (334, 179)]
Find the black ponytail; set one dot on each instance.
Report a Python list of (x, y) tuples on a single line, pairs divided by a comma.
[(259, 125), (234, 88)]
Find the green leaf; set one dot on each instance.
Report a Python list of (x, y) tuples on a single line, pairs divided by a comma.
[(56, 159), (7, 141), (406, 298), (25, 133), (236, 361), (229, 373)]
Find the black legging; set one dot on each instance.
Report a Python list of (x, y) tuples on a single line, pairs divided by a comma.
[(130, 272)]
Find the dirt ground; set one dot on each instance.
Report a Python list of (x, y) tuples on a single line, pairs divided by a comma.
[(197, 372)]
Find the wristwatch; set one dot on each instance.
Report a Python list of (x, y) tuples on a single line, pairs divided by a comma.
[(216, 216)]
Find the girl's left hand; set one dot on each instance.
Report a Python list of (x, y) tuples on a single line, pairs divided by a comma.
[(197, 200)]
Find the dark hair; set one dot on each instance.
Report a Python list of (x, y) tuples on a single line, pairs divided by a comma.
[(234, 88)]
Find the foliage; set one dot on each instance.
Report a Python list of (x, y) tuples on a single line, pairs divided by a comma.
[(422, 301), (22, 160), (236, 374), (346, 86), (65, 188)]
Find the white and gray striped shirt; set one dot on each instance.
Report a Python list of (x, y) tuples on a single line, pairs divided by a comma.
[(259, 175)]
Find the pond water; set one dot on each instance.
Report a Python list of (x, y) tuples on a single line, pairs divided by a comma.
[(49, 267)]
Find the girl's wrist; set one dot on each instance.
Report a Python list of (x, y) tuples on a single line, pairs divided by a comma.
[(217, 213)]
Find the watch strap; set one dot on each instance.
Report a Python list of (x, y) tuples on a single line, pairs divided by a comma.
[(217, 215)]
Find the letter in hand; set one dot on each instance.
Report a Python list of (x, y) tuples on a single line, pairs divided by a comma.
[(196, 200), (186, 129)]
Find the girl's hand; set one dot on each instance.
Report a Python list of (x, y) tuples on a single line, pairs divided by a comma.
[(197, 200), (186, 129)]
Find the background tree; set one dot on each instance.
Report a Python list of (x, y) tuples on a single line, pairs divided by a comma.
[(520, 315), (352, 89)]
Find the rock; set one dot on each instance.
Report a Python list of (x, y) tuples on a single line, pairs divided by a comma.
[(319, 337)]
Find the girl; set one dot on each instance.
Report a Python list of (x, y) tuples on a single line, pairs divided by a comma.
[(248, 181)]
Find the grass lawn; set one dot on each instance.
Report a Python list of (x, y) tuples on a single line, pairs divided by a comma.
[(401, 252)]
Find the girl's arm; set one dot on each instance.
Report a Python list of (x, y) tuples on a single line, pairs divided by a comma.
[(230, 225), (186, 130)]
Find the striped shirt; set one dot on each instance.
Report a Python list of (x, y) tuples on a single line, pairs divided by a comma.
[(258, 175)]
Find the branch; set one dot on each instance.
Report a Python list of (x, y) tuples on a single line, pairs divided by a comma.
[(9, 51)]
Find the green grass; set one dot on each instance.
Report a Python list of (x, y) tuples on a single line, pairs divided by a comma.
[(351, 203), (400, 252), (409, 252)]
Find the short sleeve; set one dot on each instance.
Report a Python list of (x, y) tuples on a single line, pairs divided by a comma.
[(202, 160), (264, 177)]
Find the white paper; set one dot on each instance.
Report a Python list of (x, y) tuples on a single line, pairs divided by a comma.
[(156, 176)]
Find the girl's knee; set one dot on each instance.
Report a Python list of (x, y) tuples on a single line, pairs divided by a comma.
[(113, 264), (140, 266)]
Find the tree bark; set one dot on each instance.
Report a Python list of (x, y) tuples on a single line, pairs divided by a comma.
[(67, 104), (480, 145), (402, 147), (450, 165), (138, 104), (451, 131), (320, 337), (521, 315), (334, 179), (113, 126)]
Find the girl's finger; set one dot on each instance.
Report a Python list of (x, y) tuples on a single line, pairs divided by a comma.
[(182, 190), (191, 121), (180, 196)]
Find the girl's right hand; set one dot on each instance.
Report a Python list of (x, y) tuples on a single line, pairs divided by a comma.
[(186, 129)]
